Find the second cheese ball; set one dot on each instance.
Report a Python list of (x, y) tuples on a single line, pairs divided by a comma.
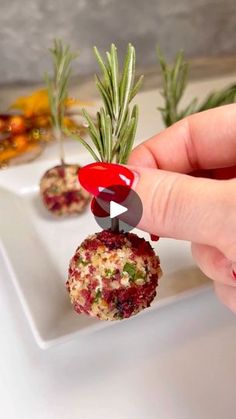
[(61, 192)]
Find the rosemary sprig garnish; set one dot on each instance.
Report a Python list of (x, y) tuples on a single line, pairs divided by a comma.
[(114, 131), (174, 79), (219, 98), (58, 88)]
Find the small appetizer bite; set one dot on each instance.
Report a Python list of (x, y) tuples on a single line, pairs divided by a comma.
[(113, 275), (60, 191)]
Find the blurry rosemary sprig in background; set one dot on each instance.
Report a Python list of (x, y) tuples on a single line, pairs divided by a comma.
[(174, 80), (58, 88), (114, 130)]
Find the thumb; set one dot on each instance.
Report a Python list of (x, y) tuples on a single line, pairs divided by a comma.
[(183, 207)]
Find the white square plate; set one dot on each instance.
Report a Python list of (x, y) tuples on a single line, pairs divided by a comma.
[(37, 249)]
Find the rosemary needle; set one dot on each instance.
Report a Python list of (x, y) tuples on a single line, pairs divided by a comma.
[(58, 88), (114, 131), (174, 82)]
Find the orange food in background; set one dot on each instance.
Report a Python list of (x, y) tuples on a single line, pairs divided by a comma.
[(38, 103), (20, 142), (17, 124), (2, 125), (19, 133), (42, 121), (35, 104)]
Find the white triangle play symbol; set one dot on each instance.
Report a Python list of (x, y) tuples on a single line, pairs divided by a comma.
[(116, 209)]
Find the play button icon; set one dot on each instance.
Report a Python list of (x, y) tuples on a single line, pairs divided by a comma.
[(120, 204), (116, 209)]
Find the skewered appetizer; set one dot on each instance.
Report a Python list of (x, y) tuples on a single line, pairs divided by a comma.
[(60, 190), (113, 275)]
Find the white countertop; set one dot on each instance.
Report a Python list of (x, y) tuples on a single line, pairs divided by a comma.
[(175, 363)]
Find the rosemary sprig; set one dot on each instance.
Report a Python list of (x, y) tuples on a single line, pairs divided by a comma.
[(174, 79), (114, 131), (58, 88), (219, 98)]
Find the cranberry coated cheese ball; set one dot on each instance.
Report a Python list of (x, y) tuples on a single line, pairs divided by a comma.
[(61, 191), (113, 276)]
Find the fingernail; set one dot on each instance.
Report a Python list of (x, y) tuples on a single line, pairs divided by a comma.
[(97, 210), (96, 177), (154, 238)]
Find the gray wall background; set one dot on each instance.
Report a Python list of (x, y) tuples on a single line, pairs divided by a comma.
[(27, 28)]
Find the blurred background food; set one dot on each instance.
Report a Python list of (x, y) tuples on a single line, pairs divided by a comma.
[(29, 128)]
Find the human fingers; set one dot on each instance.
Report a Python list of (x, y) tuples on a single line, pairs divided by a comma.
[(183, 207), (201, 141), (227, 295), (214, 264)]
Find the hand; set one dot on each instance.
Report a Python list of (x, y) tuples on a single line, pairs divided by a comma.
[(176, 204)]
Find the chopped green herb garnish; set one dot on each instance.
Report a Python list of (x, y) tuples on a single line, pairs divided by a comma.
[(83, 262), (134, 274), (54, 189), (140, 274), (131, 270), (97, 296), (109, 272)]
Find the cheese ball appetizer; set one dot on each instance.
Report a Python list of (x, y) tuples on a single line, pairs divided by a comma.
[(61, 192), (113, 276)]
